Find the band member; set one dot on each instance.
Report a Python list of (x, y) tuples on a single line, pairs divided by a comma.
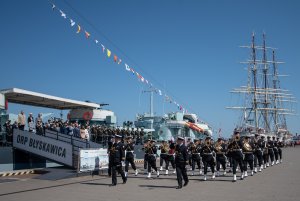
[(248, 155), (171, 158), (275, 150), (117, 158), (235, 151), (265, 151), (220, 150), (258, 153), (208, 157), (164, 148), (189, 143), (196, 159), (110, 154), (129, 157), (152, 152), (181, 160), (146, 156), (280, 145), (271, 151)]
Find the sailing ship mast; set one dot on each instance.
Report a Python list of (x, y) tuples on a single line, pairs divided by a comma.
[(265, 103)]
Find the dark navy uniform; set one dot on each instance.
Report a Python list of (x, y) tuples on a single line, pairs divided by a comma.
[(275, 150), (164, 148), (248, 155), (208, 158), (181, 160), (270, 150), (110, 155), (117, 154), (220, 151), (235, 151), (152, 152), (170, 157), (129, 158), (279, 146), (196, 159), (258, 153)]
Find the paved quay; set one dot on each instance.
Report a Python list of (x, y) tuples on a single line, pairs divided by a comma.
[(276, 183)]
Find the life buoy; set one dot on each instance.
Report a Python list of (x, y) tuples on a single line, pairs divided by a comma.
[(87, 116)]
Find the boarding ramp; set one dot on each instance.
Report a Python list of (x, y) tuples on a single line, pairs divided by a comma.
[(55, 146)]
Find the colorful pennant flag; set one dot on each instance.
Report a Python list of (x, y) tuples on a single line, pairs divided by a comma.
[(115, 58), (96, 41), (87, 34), (78, 29), (63, 14), (120, 60), (103, 48), (159, 92), (127, 67), (72, 22), (132, 70), (108, 52), (53, 6)]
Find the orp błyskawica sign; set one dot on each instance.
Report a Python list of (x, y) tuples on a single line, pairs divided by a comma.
[(43, 146)]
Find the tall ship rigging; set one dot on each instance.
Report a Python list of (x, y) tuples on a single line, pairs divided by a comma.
[(265, 104)]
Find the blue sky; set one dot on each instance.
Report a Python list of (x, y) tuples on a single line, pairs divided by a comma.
[(190, 48)]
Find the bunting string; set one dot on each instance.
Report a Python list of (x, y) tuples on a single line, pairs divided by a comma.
[(116, 59)]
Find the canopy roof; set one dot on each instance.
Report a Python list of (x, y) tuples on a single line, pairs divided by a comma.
[(21, 96)]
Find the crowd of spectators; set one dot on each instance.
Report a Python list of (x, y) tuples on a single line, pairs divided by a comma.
[(97, 133)]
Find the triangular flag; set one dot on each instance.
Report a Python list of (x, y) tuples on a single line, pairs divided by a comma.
[(132, 70), (120, 60), (103, 48), (78, 28), (72, 22), (146, 81), (96, 41), (53, 6), (115, 58), (159, 92), (127, 67), (142, 79), (108, 52), (87, 34), (63, 14)]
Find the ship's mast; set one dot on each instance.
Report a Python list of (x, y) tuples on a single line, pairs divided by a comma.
[(275, 79), (265, 87), (254, 72)]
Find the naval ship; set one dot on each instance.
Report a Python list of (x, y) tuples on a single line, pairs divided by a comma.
[(264, 103)]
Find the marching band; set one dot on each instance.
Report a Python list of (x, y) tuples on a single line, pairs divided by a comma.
[(255, 153)]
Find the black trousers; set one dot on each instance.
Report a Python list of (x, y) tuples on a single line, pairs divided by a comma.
[(145, 161), (280, 153), (115, 168), (110, 163), (131, 162), (276, 153), (208, 160), (221, 160), (151, 163), (170, 159), (237, 159), (258, 158), (271, 155), (190, 159), (181, 173), (196, 160), (162, 158), (266, 158), (248, 160)]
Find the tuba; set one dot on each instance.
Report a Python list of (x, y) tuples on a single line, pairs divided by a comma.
[(247, 147), (237, 138), (207, 143), (218, 147)]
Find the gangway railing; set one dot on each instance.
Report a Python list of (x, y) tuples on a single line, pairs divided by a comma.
[(53, 145)]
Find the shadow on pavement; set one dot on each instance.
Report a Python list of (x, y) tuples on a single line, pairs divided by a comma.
[(156, 186)]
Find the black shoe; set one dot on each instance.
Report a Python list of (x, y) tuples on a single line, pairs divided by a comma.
[(178, 187), (124, 181), (185, 183), (112, 185)]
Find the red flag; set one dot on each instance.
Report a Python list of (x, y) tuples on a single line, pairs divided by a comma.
[(87, 34), (115, 58)]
